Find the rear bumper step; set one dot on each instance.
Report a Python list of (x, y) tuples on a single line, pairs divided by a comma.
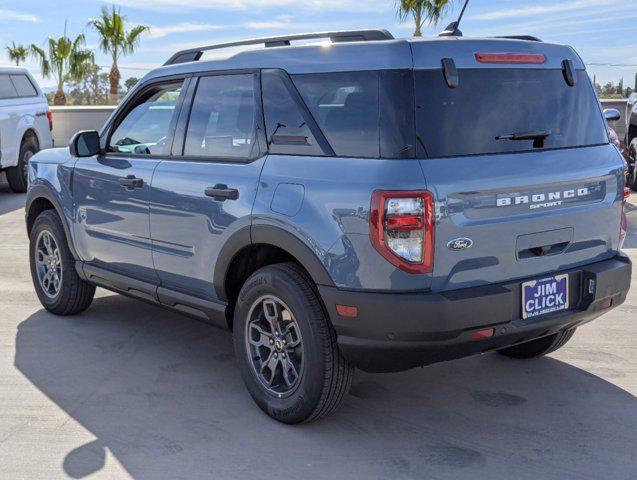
[(394, 332)]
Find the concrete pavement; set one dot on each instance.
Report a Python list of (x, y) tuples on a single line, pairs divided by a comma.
[(128, 390)]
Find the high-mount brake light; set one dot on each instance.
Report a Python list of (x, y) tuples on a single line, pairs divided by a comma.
[(536, 58), (401, 225)]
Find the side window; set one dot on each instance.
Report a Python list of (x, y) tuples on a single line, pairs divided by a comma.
[(223, 118), (286, 130), (146, 127), (345, 105), (23, 86), (7, 90)]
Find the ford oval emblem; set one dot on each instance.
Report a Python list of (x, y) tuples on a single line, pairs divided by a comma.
[(460, 243)]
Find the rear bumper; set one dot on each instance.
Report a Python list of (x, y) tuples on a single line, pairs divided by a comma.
[(394, 332)]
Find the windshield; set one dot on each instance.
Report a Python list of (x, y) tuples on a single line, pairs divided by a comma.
[(505, 110)]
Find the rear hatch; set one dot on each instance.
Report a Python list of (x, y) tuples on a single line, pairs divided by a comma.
[(514, 148)]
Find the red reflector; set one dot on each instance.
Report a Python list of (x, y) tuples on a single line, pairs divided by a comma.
[(345, 311), (626, 193), (482, 334), (606, 303), (404, 222), (510, 58)]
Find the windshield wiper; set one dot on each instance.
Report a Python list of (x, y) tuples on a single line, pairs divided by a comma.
[(533, 135), (538, 137)]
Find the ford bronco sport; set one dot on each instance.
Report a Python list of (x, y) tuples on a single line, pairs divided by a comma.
[(368, 202)]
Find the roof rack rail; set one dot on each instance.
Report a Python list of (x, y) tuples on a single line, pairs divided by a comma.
[(529, 38), (194, 54)]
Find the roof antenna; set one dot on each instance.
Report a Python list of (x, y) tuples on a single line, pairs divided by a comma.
[(452, 29)]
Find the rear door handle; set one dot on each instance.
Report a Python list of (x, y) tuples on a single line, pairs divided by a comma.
[(131, 181), (221, 192)]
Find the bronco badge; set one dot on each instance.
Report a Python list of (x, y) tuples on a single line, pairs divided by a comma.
[(460, 243)]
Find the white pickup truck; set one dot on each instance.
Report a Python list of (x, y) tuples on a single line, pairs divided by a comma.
[(25, 124)]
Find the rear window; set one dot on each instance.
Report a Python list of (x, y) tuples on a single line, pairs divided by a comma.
[(23, 86), (490, 103), (7, 90), (362, 114)]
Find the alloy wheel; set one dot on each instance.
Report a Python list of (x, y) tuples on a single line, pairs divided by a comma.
[(274, 346), (48, 263)]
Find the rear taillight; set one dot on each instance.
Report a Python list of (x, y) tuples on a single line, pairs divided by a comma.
[(401, 227), (49, 115), (510, 58)]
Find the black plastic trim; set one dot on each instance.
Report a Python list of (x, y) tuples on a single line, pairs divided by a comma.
[(394, 332), (41, 191)]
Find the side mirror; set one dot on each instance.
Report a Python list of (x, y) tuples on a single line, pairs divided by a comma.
[(612, 115), (85, 144)]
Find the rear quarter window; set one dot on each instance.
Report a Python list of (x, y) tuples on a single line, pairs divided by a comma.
[(362, 114), (7, 90), (23, 86)]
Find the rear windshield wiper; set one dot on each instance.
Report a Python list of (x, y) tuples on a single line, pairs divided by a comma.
[(533, 135), (538, 137)]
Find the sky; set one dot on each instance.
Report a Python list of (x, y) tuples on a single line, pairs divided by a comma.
[(604, 32)]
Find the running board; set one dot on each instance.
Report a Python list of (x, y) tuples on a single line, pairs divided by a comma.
[(206, 310)]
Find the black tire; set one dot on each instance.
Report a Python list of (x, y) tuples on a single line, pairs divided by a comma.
[(325, 375), (73, 295), (18, 176), (538, 347), (631, 178)]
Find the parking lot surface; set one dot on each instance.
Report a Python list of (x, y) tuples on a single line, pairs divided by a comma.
[(128, 390)]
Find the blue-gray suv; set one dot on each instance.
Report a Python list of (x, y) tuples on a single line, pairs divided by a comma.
[(362, 202)]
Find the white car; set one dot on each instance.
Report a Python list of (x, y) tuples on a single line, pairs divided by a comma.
[(25, 124)]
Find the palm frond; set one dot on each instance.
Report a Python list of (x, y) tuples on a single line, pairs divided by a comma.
[(39, 55)]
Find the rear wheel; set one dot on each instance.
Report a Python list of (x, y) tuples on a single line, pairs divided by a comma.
[(538, 347), (286, 347), (57, 284), (631, 178), (18, 176)]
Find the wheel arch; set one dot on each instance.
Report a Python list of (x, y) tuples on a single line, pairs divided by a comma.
[(39, 199), (254, 247), (30, 132)]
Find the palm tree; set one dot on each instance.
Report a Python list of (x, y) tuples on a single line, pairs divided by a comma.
[(422, 11), (67, 59), (17, 53), (116, 40)]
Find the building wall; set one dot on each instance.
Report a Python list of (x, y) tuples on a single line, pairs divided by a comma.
[(68, 120)]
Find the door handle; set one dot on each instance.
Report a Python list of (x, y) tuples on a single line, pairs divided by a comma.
[(131, 181), (221, 192)]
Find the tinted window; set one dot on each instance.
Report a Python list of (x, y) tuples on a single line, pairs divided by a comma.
[(144, 130), (490, 103), (223, 118), (286, 130), (7, 90), (23, 86), (397, 133), (345, 105)]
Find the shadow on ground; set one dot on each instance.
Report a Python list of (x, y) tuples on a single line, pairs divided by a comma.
[(162, 393)]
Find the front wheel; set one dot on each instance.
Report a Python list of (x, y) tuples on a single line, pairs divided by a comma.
[(539, 346), (286, 348), (57, 284)]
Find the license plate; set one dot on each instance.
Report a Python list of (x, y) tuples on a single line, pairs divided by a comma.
[(543, 296)]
